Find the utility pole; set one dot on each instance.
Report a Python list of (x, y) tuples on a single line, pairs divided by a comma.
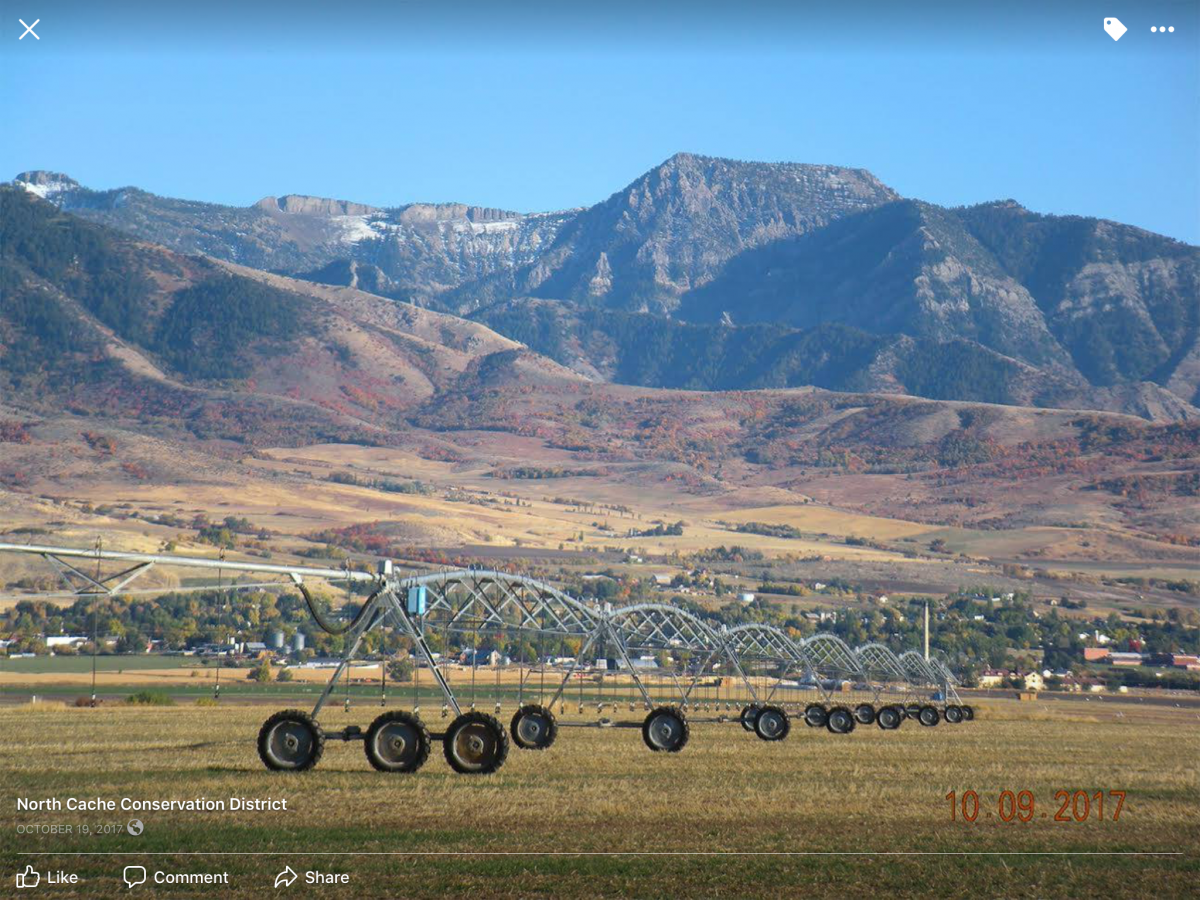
[(927, 630)]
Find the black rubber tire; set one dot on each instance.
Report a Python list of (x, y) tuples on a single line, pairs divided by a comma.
[(667, 738), (815, 715), (379, 757), (840, 721), (748, 715), (912, 710), (413, 759), (489, 751), (889, 718), (929, 716), (953, 714), (968, 713), (546, 734), (864, 714), (772, 723), (304, 739)]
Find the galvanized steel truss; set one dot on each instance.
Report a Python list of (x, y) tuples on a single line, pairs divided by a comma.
[(489, 603)]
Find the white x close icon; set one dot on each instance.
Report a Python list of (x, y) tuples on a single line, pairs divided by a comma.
[(29, 29)]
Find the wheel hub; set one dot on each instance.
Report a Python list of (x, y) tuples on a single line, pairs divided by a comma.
[(398, 744), (290, 743), (531, 729)]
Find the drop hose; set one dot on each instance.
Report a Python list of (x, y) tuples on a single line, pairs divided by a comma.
[(330, 627)]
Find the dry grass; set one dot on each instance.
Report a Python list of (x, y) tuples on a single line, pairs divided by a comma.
[(602, 792), (822, 519)]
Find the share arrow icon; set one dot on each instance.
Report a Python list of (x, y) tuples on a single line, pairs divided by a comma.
[(286, 877)]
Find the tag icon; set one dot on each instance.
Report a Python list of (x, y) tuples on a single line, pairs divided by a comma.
[(1114, 28)]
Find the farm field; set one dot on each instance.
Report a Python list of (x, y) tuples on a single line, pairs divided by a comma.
[(599, 815)]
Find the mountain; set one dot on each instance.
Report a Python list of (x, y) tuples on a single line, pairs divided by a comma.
[(903, 268), (1123, 302), (715, 274), (668, 231), (95, 320), (672, 229), (131, 363), (1093, 303), (657, 351), (420, 250)]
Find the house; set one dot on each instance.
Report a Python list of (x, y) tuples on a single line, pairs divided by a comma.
[(483, 658), (1184, 661), (318, 662), (747, 597), (1033, 681), (639, 662), (1096, 654), (663, 579), (1125, 659), (992, 677), (65, 640)]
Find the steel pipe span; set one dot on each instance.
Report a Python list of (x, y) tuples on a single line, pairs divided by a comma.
[(761, 666)]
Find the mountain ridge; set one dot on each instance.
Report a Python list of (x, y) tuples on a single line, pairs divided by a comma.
[(1052, 310)]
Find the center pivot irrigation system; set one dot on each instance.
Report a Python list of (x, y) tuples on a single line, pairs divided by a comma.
[(658, 658)]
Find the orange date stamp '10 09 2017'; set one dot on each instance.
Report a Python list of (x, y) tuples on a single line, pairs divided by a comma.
[(1020, 806)]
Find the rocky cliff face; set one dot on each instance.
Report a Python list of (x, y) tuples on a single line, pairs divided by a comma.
[(298, 205), (46, 184)]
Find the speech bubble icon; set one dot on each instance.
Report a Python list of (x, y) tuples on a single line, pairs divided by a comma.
[(134, 875), (1114, 28)]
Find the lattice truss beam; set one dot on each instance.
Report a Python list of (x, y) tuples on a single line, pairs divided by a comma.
[(483, 602)]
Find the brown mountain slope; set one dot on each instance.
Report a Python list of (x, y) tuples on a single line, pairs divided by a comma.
[(104, 332)]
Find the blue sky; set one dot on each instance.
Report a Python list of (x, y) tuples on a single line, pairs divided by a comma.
[(535, 106)]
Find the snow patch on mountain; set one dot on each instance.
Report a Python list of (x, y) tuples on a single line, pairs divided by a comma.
[(355, 228), (46, 188)]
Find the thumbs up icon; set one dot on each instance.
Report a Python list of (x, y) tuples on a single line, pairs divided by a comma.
[(28, 878)]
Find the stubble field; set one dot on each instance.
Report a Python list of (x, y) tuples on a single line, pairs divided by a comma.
[(599, 815)]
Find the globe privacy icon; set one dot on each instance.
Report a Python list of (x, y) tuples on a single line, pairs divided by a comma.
[(1114, 28)]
